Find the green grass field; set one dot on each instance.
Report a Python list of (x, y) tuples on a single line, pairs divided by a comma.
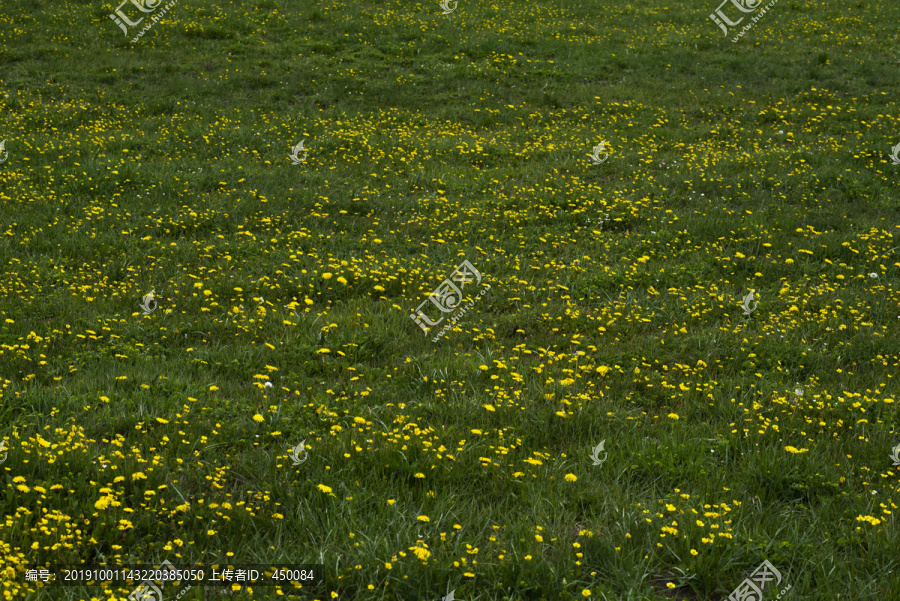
[(735, 430)]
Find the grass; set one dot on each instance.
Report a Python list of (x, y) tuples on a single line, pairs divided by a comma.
[(614, 312)]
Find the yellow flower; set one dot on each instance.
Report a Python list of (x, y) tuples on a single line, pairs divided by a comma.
[(571, 477), (22, 488), (795, 450), (867, 518), (326, 276), (213, 388), (419, 475), (423, 518), (489, 407), (138, 476), (325, 489), (391, 501), (586, 592), (421, 553), (673, 416), (388, 565), (258, 418), (693, 552)]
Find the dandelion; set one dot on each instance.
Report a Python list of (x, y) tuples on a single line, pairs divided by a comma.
[(571, 477), (258, 418), (423, 518)]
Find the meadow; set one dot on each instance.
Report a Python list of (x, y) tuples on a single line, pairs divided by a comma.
[(685, 364)]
